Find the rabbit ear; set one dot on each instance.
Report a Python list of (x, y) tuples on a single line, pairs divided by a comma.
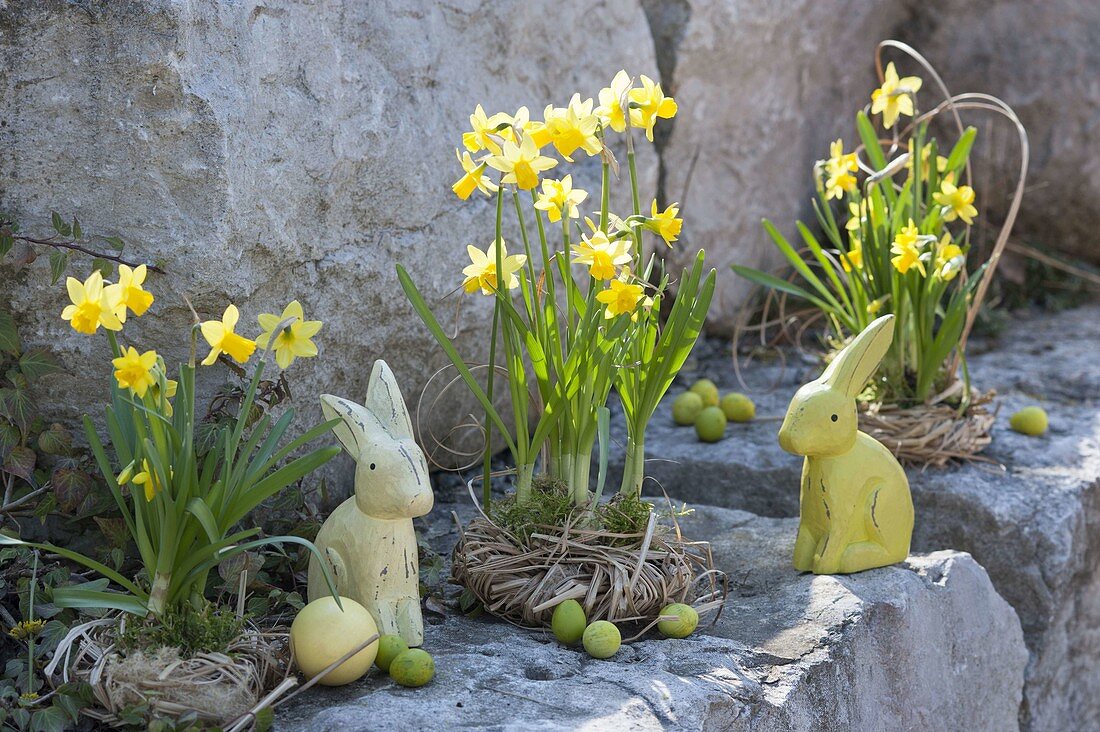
[(357, 422), (385, 403), (855, 364)]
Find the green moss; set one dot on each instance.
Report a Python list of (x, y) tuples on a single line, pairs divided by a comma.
[(550, 505), (625, 515), (192, 631)]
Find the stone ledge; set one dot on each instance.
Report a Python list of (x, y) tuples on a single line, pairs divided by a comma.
[(1032, 520), (924, 645)]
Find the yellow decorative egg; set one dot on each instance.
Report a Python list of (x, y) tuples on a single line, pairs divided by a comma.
[(322, 633), (707, 391), (1029, 421), (602, 639), (710, 425), (389, 648), (686, 407), (568, 622), (738, 407), (683, 626), (414, 667)]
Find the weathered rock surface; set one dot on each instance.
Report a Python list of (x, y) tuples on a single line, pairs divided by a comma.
[(265, 151), (925, 645), (763, 88), (1035, 56), (1031, 517)]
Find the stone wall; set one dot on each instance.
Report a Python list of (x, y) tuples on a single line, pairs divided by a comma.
[(265, 151)]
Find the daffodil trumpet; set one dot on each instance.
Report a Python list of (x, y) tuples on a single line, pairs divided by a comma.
[(578, 313)]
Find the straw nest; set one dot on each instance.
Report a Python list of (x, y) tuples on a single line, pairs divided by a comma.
[(226, 690), (931, 434), (618, 577)]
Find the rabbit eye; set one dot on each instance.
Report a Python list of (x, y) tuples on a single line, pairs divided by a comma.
[(834, 418), (372, 464)]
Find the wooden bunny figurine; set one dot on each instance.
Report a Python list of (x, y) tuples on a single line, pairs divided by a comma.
[(856, 510), (369, 540)]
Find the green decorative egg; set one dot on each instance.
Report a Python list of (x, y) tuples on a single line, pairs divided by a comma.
[(683, 626), (568, 622), (1029, 421), (414, 667), (686, 407), (738, 407), (389, 648), (710, 425), (602, 639), (707, 391)]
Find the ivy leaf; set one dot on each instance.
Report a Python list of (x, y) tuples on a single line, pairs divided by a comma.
[(77, 232), (59, 260), (56, 441), (114, 530), (104, 266), (16, 405), (9, 335), (37, 363), (50, 719), (20, 462), (115, 243), (57, 221), (73, 489)]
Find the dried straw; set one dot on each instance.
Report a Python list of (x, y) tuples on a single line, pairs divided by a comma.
[(223, 689), (617, 577), (933, 433)]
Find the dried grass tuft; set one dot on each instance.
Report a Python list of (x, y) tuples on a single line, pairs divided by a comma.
[(931, 434)]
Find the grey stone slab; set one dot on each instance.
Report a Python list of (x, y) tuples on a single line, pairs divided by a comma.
[(1030, 516), (924, 645)]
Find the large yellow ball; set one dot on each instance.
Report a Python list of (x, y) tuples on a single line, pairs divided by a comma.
[(322, 633)]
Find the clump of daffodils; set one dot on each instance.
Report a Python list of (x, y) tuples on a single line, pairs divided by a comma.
[(897, 221), (577, 294), (184, 506)]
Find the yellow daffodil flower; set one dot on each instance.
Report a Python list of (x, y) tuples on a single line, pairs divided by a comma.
[(665, 224), (649, 103), (957, 202), (128, 293), (222, 338), (92, 305), (573, 127), (857, 215), (949, 258), (146, 478), (484, 134), (134, 371), (521, 164), (560, 197), (853, 258), (925, 154), (474, 177), (620, 297), (170, 387), (875, 306), (601, 255), (612, 99), (838, 170), (906, 247), (481, 274), (893, 99), (294, 340)]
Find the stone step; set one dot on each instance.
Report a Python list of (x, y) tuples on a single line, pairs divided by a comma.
[(928, 644), (1030, 517)]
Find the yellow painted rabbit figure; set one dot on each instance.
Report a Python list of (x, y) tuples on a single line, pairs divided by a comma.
[(855, 505), (369, 541)]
